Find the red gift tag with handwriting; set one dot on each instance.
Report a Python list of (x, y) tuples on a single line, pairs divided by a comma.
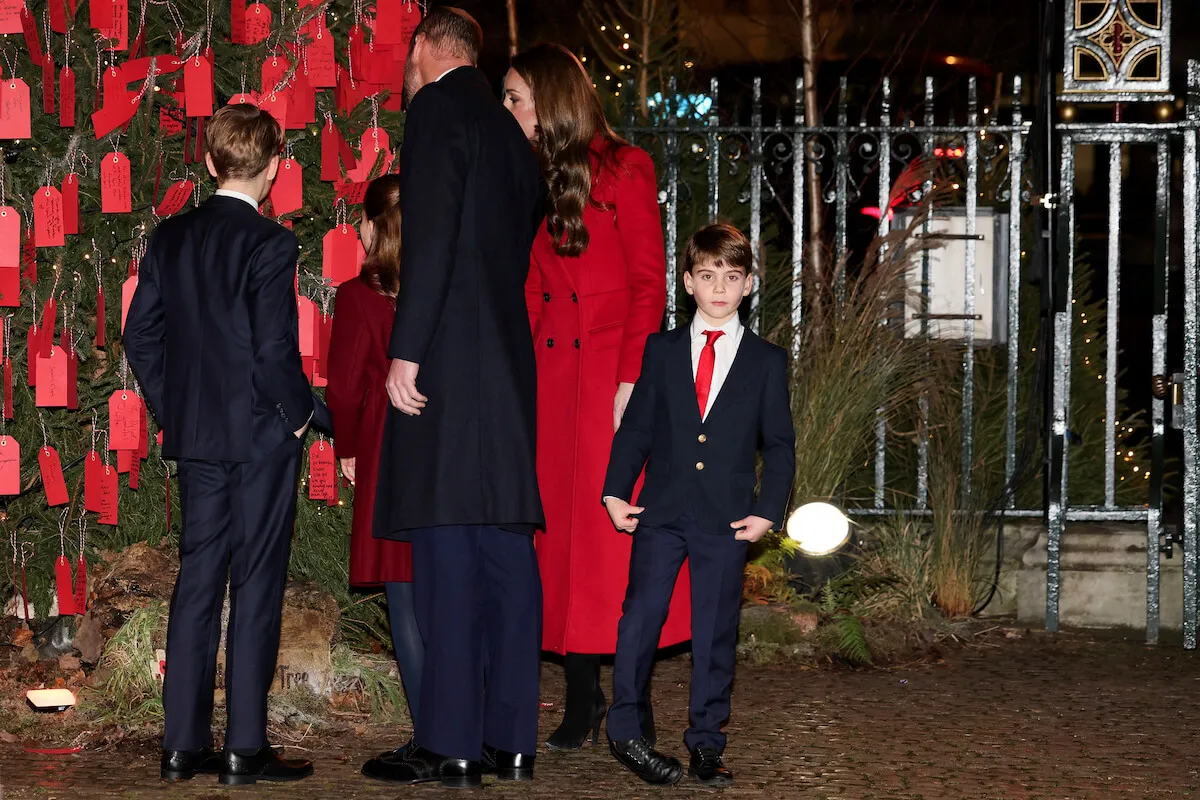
[(237, 21), (10, 15), (143, 430), (127, 290), (48, 84), (14, 109), (118, 32), (70, 204), (322, 60), (123, 422), (60, 13), (66, 98), (46, 329), (308, 326), (115, 197), (93, 472), (275, 104), (135, 473), (48, 226), (10, 237), (175, 198), (33, 45), (340, 254), (322, 472), (102, 13), (52, 477), (170, 120), (109, 495), (198, 87), (258, 23), (287, 193), (274, 68), (52, 379), (10, 466), (302, 102), (10, 287), (28, 259)]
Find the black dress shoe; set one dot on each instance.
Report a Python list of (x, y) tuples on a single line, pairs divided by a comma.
[(507, 766), (265, 765), (399, 754), (647, 763), (708, 768), (419, 765), (183, 765)]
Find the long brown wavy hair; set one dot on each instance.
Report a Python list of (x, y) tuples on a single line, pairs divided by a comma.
[(569, 117), (381, 205)]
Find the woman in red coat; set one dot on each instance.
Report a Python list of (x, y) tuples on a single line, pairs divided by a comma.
[(596, 290), (358, 366)]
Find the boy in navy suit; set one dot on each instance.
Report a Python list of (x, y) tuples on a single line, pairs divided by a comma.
[(213, 336), (712, 396)]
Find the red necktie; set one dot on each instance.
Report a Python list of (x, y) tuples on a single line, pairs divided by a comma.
[(704, 370)]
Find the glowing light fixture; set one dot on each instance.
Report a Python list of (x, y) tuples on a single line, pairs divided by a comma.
[(50, 700), (819, 529)]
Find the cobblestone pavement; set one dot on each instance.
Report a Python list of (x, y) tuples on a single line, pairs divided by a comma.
[(1033, 717)]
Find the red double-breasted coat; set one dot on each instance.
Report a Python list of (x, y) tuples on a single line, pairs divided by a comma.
[(590, 317), (358, 401)]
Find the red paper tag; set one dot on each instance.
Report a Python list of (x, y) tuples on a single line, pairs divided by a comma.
[(48, 217), (322, 474), (102, 13), (125, 459), (14, 109), (330, 169), (352, 192), (52, 477), (115, 197), (10, 466), (93, 472), (321, 60), (249, 98), (287, 193), (60, 13), (10, 15), (52, 379), (340, 254), (10, 237), (275, 104), (175, 199), (62, 583), (123, 422), (109, 493), (29, 258), (10, 287), (70, 204), (66, 98), (33, 45), (127, 290), (100, 339), (302, 102), (115, 114), (258, 23), (198, 87), (237, 21), (308, 326), (143, 430), (170, 120), (46, 329), (81, 582), (72, 381), (274, 68), (389, 20), (48, 81), (118, 32)]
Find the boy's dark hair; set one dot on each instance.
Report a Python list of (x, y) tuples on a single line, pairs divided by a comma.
[(242, 139), (720, 245), (452, 32)]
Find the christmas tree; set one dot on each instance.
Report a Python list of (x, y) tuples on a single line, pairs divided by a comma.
[(102, 113)]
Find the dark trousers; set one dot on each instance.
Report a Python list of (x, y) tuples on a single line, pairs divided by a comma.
[(406, 641), (716, 563), (478, 599), (238, 520)]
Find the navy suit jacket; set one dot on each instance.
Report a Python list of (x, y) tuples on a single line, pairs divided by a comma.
[(706, 468), (213, 334)]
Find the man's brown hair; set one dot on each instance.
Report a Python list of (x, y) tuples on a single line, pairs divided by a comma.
[(242, 139), (451, 32), (719, 245)]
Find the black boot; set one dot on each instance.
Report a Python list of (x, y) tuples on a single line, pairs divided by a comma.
[(648, 732), (585, 704)]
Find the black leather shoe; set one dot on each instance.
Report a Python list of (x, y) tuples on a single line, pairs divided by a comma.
[(647, 763), (507, 766), (183, 765), (265, 765), (419, 765), (708, 768), (399, 754)]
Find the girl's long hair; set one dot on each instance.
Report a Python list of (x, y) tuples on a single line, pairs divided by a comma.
[(381, 205), (569, 118)]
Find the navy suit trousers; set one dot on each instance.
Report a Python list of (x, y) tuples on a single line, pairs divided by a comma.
[(717, 562), (238, 520), (478, 599)]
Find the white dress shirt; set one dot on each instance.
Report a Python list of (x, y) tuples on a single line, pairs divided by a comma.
[(726, 348), (245, 198), (447, 72)]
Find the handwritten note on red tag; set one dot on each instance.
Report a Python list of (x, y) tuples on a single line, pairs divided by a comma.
[(287, 193), (274, 68), (48, 226), (10, 15), (322, 474), (10, 466), (10, 237), (70, 204), (15, 120), (258, 23), (322, 61), (123, 422), (52, 477), (127, 290), (93, 472), (115, 196), (66, 98), (109, 495), (118, 32), (340, 254), (275, 104), (52, 379), (198, 87), (175, 198)]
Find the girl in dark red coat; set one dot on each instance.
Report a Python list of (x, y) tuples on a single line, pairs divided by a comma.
[(596, 290), (358, 365)]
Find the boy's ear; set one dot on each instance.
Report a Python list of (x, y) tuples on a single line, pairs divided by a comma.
[(272, 168), (688, 283), (208, 162), (749, 284)]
